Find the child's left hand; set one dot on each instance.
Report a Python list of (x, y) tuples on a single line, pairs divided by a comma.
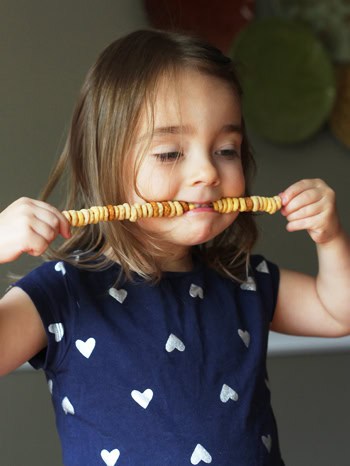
[(310, 205)]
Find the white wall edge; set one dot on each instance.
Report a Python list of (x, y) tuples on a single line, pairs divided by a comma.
[(285, 345)]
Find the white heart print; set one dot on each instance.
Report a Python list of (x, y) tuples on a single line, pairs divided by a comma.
[(110, 457), (263, 267), (119, 295), (57, 329), (50, 385), (200, 454), (174, 343), (245, 337), (228, 393), (267, 441), (143, 399), (67, 406), (59, 267), (249, 285), (86, 347), (196, 290)]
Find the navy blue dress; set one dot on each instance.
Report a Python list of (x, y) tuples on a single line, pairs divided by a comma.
[(171, 374)]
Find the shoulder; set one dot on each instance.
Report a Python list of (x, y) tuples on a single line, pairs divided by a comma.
[(265, 278), (259, 263), (49, 272), (64, 297), (60, 271), (263, 270)]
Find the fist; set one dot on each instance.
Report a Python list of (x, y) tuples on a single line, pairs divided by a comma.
[(28, 225), (310, 205)]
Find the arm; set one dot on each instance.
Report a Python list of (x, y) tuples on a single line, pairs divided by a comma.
[(22, 334), (317, 306), (25, 226)]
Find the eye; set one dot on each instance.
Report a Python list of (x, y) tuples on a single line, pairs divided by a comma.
[(168, 156), (229, 153)]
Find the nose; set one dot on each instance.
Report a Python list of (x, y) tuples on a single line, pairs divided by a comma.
[(203, 171)]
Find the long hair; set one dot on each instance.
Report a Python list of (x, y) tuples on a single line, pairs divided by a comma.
[(94, 161)]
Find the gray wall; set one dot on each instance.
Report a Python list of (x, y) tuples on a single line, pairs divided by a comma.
[(46, 49)]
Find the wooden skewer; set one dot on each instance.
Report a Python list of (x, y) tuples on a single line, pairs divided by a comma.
[(133, 212)]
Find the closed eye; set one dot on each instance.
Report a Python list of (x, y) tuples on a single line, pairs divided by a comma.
[(228, 153), (168, 156)]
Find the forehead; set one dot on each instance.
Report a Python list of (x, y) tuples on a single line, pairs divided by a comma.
[(189, 96)]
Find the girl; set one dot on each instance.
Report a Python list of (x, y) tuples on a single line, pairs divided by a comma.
[(153, 335)]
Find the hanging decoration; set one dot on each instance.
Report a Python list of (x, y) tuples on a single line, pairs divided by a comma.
[(287, 77), (217, 22)]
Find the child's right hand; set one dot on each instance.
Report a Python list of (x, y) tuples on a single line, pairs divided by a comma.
[(28, 225)]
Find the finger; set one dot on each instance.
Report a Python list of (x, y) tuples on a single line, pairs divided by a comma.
[(47, 230), (46, 223), (308, 210), (52, 216), (308, 223), (300, 186), (301, 200), (33, 243), (37, 246)]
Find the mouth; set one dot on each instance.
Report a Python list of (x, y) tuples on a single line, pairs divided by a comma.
[(198, 206)]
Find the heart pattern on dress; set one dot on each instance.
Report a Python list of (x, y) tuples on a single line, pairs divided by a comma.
[(174, 343), (86, 347), (57, 329), (263, 267), (67, 406), (119, 295), (196, 290), (245, 337), (267, 441), (59, 267), (228, 393), (200, 454), (110, 457), (249, 285), (143, 399)]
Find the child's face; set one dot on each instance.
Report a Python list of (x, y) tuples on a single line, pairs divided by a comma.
[(194, 156)]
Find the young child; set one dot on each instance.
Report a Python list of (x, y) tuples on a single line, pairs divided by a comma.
[(153, 335)]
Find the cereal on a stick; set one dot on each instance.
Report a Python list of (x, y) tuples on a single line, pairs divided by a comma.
[(133, 212)]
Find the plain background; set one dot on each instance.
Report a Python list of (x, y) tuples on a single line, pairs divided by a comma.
[(46, 49)]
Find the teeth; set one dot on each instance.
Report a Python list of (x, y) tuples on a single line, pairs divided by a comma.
[(203, 205)]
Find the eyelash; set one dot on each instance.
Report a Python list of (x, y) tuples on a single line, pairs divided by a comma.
[(175, 155), (168, 156), (229, 153)]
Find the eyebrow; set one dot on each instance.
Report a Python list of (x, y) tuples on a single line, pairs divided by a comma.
[(186, 129)]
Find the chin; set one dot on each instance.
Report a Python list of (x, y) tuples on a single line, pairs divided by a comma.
[(200, 238)]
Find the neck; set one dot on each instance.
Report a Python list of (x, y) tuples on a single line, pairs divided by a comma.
[(177, 263)]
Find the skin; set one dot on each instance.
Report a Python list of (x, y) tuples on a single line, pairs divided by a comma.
[(315, 306), (206, 117), (197, 159)]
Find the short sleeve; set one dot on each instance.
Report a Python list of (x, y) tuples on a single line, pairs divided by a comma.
[(267, 276), (49, 288)]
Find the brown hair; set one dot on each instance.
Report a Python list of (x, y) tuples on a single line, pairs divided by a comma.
[(95, 158)]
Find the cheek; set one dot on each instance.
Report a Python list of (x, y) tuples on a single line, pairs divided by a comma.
[(233, 179), (143, 185), (227, 219), (155, 184)]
